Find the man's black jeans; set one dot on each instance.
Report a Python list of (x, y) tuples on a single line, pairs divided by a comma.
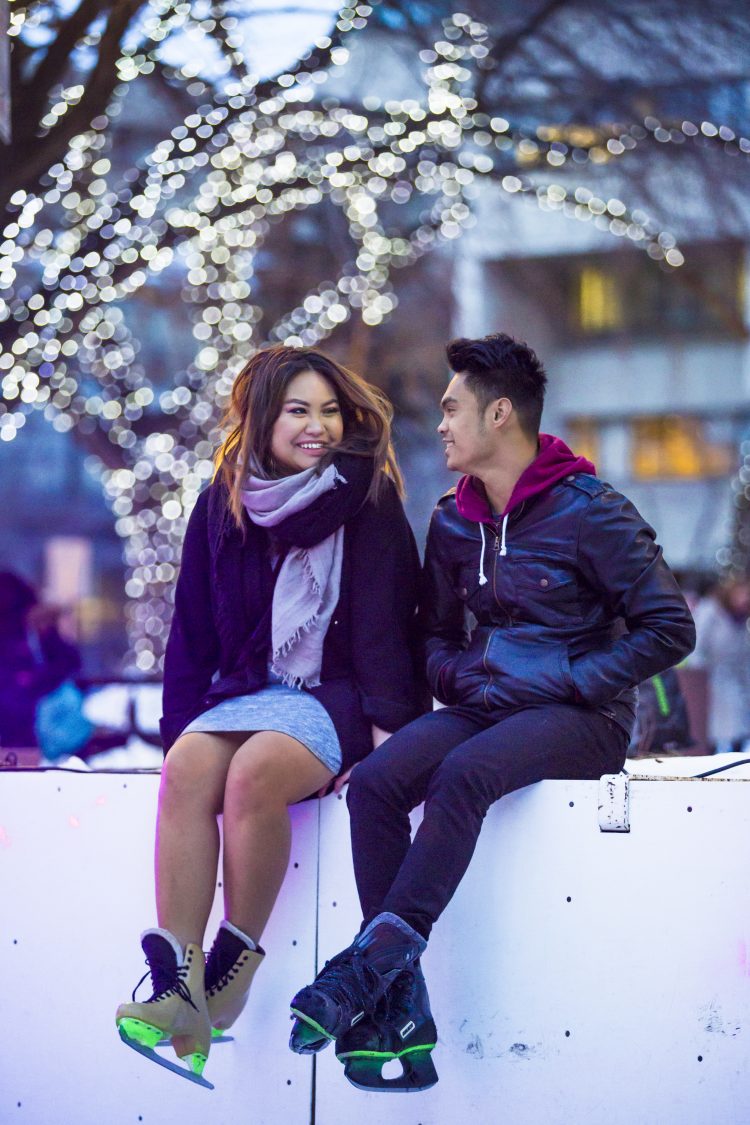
[(459, 762)]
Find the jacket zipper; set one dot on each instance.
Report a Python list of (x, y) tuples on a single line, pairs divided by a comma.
[(490, 679), (494, 562), (488, 684)]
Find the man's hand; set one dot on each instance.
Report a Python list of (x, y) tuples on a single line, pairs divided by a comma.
[(378, 738), (342, 780), (337, 784)]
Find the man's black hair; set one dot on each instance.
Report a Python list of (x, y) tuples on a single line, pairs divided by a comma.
[(498, 366)]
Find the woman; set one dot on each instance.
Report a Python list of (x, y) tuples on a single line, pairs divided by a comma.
[(288, 659)]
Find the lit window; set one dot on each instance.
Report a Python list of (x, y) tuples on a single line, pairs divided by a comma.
[(599, 305), (627, 293), (678, 447)]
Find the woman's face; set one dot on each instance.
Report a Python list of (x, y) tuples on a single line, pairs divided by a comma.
[(309, 425)]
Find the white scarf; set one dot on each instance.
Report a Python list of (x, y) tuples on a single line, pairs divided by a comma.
[(308, 585)]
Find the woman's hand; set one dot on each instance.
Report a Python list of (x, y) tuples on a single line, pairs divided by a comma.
[(379, 736)]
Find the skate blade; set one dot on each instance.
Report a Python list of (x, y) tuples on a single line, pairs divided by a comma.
[(217, 1036), (365, 1072), (150, 1053), (307, 1037)]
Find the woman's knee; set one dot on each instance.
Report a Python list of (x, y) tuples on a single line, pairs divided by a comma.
[(194, 772), (255, 782)]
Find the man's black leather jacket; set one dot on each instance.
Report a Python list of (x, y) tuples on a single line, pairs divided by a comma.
[(580, 609)]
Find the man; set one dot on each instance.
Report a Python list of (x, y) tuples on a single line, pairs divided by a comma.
[(574, 606)]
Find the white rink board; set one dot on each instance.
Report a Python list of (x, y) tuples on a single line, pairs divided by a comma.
[(76, 886), (647, 967)]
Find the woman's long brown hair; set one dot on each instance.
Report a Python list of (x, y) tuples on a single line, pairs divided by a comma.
[(257, 397)]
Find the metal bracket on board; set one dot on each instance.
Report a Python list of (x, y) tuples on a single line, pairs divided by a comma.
[(614, 802)]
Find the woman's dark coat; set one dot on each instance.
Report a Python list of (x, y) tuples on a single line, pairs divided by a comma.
[(219, 641)]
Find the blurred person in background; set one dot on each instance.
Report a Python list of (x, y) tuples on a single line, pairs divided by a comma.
[(36, 660), (723, 649), (289, 658)]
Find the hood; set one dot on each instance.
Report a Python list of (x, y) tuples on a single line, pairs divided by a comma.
[(553, 462)]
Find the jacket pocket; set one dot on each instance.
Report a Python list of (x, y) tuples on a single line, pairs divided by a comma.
[(567, 671), (546, 594), (469, 678), (524, 672), (441, 675), (445, 679)]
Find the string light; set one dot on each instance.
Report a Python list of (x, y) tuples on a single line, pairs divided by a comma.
[(203, 203)]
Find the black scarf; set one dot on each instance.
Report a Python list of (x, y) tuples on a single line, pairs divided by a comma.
[(326, 514)]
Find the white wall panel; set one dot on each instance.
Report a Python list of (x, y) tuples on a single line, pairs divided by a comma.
[(579, 977), (647, 966), (76, 886)]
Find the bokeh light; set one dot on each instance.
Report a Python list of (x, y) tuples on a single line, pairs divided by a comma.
[(203, 203)]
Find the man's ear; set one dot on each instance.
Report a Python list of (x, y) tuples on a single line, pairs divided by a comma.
[(501, 410)]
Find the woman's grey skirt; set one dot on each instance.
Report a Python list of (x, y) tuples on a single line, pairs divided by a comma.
[(277, 707)]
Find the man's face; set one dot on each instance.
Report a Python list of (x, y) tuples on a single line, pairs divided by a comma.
[(466, 437)]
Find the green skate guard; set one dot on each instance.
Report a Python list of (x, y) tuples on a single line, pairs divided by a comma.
[(381, 1056), (385, 1056), (197, 1062), (311, 1023), (144, 1033), (416, 1047)]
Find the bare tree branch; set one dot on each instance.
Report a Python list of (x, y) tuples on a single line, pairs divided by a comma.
[(25, 161), (53, 63)]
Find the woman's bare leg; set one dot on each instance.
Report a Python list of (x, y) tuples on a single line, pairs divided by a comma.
[(187, 834), (269, 772)]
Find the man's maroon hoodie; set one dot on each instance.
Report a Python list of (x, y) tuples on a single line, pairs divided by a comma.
[(553, 462)]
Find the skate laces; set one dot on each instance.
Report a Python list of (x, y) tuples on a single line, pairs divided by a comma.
[(220, 964), (344, 974), (395, 1004), (165, 981)]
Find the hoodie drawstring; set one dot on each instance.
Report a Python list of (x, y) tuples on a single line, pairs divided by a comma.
[(482, 575), (503, 548)]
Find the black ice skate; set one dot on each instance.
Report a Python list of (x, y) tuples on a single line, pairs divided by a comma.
[(349, 986), (401, 1028)]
